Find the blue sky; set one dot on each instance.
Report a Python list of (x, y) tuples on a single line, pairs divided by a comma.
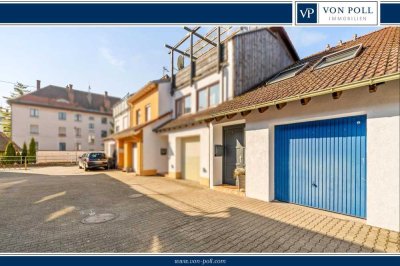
[(113, 59)]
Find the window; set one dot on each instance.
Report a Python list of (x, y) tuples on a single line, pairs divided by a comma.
[(34, 129), (91, 118), (78, 146), (91, 125), (62, 116), (183, 105), (91, 139), (62, 146), (78, 132), (137, 117), (338, 57), (288, 73), (117, 129), (207, 97), (148, 112), (202, 99), (97, 156), (214, 95), (62, 132), (125, 122), (34, 112), (78, 117), (104, 120), (104, 133)]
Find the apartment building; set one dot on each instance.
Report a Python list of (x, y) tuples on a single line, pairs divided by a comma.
[(62, 118), (121, 117)]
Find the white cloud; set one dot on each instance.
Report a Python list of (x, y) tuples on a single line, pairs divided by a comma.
[(307, 37), (112, 59)]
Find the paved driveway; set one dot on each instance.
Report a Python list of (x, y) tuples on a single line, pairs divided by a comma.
[(41, 211)]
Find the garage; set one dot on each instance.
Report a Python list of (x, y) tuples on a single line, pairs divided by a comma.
[(191, 158), (322, 164)]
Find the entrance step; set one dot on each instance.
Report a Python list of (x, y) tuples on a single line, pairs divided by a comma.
[(230, 189)]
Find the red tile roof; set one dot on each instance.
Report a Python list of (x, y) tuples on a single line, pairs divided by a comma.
[(380, 57), (57, 97)]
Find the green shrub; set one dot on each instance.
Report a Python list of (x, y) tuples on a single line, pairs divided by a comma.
[(10, 154), (32, 151)]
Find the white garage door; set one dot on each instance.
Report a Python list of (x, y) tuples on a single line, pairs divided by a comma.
[(191, 158)]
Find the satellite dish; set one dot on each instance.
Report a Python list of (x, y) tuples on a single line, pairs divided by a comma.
[(181, 62)]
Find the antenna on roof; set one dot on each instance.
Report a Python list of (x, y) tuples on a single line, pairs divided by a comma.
[(164, 70)]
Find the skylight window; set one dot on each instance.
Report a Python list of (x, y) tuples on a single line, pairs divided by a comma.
[(287, 73), (339, 57)]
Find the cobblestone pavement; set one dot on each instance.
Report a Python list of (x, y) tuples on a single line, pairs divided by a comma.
[(41, 211)]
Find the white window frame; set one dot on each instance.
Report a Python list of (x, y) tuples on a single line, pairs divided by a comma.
[(356, 53), (147, 113), (62, 116), (277, 79), (33, 112), (76, 119)]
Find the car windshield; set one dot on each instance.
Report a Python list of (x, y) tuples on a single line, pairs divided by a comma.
[(97, 156)]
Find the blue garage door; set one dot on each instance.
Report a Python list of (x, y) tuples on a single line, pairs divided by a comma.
[(322, 164)]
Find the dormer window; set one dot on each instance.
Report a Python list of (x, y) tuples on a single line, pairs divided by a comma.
[(288, 73), (338, 57), (61, 100)]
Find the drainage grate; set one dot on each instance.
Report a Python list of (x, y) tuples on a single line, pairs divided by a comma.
[(99, 218), (134, 196)]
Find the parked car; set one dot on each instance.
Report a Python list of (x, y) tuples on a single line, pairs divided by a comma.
[(92, 160)]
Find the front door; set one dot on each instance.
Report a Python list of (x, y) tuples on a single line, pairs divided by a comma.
[(233, 135)]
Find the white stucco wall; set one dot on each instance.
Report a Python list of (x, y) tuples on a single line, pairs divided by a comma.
[(164, 94), (153, 143), (383, 147), (383, 175), (49, 123)]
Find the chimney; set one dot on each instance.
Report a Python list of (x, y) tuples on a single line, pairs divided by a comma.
[(328, 47), (340, 43), (355, 37), (37, 84), (107, 103), (70, 92)]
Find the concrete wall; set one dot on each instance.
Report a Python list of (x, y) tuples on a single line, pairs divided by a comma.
[(58, 156), (48, 128), (383, 174)]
